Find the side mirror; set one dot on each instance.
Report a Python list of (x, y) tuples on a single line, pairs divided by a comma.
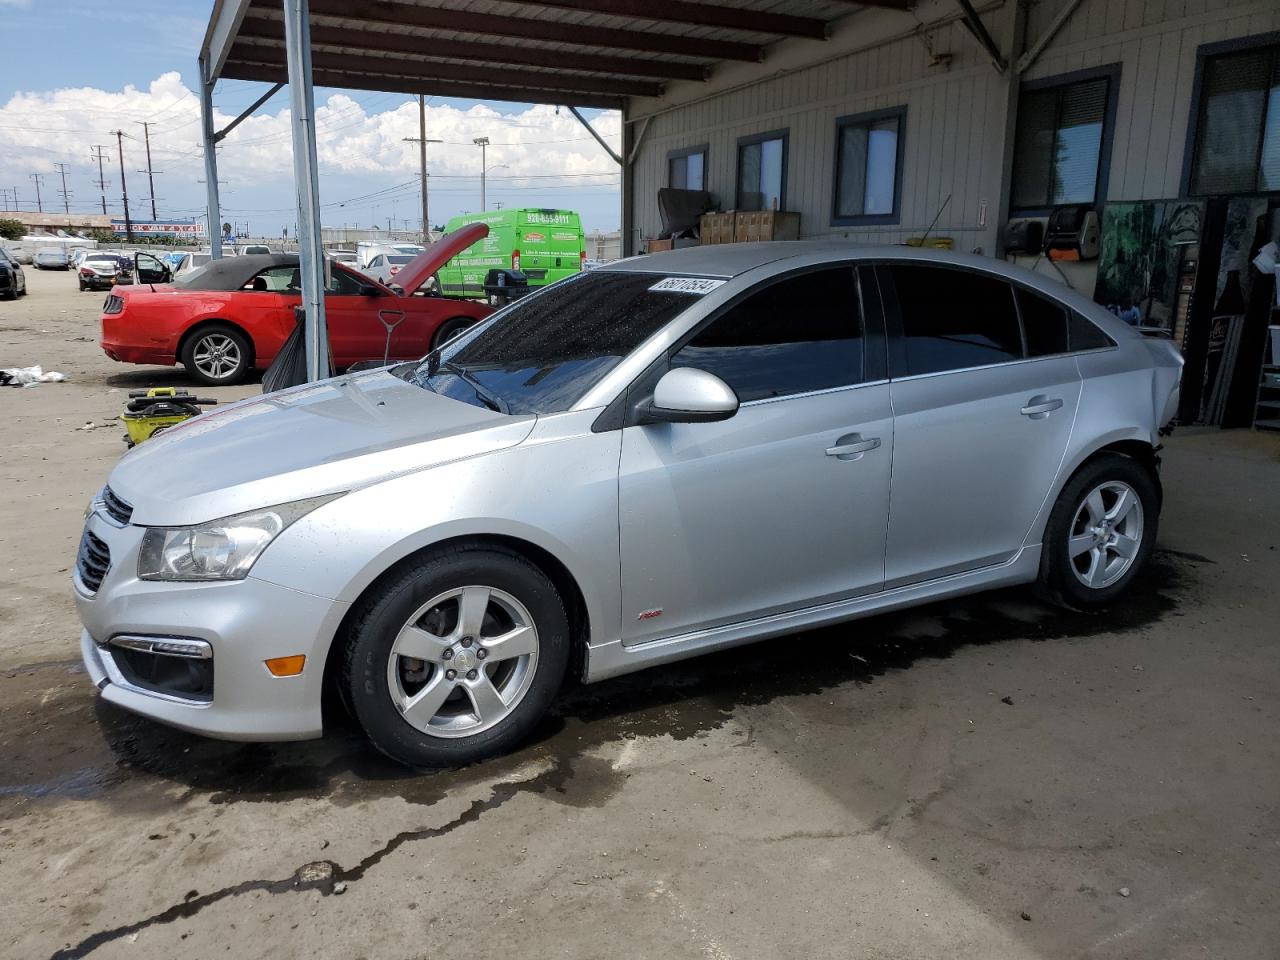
[(688, 395)]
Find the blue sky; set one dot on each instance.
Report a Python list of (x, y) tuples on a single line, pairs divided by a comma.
[(87, 68)]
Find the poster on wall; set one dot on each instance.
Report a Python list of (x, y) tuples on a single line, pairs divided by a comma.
[(1147, 247)]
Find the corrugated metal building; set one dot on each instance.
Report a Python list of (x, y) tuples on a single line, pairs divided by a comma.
[(1133, 65)]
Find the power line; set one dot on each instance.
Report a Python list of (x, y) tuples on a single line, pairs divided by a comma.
[(37, 179), (66, 194), (151, 180), (124, 190), (101, 181)]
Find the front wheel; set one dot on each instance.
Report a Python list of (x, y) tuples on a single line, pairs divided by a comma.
[(457, 658), (1101, 532), (217, 356)]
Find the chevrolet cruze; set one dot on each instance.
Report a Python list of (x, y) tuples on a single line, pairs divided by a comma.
[(661, 457)]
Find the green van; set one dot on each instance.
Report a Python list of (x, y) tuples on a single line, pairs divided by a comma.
[(546, 245)]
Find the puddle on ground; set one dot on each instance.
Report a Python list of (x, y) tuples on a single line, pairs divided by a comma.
[(58, 740)]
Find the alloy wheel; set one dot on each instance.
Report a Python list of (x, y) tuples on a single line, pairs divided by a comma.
[(463, 661), (216, 355), (1106, 534)]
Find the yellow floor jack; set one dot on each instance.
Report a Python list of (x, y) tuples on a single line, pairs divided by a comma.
[(149, 412)]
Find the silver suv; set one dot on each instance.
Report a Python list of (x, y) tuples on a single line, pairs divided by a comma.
[(657, 458)]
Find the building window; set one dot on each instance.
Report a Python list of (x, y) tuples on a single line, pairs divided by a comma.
[(868, 186), (1237, 122), (686, 169), (1062, 146), (762, 171)]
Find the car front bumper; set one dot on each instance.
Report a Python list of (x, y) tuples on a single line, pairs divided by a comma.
[(244, 622)]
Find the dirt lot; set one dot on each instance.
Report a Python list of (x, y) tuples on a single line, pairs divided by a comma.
[(986, 778)]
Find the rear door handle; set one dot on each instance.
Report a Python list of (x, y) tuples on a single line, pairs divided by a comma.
[(852, 446), (1039, 407)]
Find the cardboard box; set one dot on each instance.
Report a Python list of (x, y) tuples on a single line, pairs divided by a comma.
[(654, 245), (716, 227), (758, 225)]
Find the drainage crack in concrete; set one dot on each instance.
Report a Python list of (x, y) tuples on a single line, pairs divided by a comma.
[(321, 875)]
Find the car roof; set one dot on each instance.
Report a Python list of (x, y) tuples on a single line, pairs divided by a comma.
[(734, 259), (232, 273)]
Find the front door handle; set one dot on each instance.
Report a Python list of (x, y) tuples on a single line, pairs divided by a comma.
[(1039, 407), (852, 446)]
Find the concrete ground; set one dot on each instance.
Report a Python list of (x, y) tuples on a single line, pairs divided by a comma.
[(986, 778)]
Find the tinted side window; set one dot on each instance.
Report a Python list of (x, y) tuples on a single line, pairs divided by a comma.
[(1044, 322), (798, 335), (952, 319), (1086, 336)]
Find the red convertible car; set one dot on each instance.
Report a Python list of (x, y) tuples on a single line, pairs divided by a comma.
[(233, 315)]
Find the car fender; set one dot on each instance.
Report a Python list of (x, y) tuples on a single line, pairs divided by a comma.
[(519, 493)]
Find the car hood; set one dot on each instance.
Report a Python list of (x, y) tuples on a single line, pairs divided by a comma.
[(426, 264), (316, 439)]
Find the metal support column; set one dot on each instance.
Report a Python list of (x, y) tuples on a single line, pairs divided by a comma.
[(297, 40), (209, 142)]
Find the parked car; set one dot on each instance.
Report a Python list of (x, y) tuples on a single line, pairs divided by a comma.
[(101, 271), (51, 258), (345, 256), (13, 282), (385, 266), (366, 250), (187, 262), (232, 315), (250, 248), (661, 457)]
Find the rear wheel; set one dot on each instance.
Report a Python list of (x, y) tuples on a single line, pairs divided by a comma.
[(457, 658), (451, 329), (1101, 532), (217, 355)]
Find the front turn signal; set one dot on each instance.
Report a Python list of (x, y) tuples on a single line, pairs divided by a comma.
[(286, 666)]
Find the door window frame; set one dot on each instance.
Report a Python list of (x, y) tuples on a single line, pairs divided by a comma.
[(896, 343), (625, 410)]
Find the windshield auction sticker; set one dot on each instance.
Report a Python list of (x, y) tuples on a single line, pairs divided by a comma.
[(694, 285)]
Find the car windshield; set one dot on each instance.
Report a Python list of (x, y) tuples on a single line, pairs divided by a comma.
[(543, 353)]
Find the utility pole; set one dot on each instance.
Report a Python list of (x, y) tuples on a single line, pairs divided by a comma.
[(481, 142), (36, 178), (422, 141), (101, 182), (124, 189), (151, 180), (66, 195)]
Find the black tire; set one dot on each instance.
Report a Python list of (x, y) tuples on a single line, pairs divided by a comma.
[(450, 329), (217, 333), (379, 618), (1059, 580), (83, 286)]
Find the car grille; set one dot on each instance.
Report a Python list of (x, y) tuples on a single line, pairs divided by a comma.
[(117, 509), (113, 304), (92, 561)]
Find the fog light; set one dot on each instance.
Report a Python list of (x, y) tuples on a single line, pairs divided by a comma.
[(286, 666)]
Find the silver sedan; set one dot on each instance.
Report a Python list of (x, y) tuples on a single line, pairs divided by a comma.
[(654, 459)]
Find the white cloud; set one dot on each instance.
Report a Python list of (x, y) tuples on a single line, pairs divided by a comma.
[(38, 130)]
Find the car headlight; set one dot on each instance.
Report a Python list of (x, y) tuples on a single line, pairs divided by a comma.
[(223, 549)]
